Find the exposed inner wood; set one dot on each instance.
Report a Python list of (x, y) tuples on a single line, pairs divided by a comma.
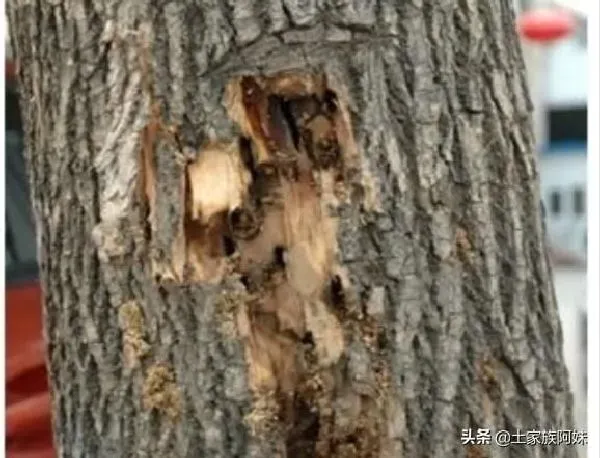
[(263, 207), (218, 180)]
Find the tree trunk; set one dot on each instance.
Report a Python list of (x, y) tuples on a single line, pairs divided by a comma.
[(288, 228)]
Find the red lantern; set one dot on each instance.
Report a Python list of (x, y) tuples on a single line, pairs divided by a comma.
[(545, 25)]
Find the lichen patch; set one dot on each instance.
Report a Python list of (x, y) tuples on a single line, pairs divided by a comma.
[(161, 393), (131, 322)]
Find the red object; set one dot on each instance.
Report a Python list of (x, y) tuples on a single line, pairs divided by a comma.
[(28, 418), (545, 25), (9, 69), (28, 407)]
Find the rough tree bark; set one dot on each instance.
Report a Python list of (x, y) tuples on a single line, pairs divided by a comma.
[(288, 228)]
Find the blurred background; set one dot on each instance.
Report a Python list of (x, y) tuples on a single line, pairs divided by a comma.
[(554, 37)]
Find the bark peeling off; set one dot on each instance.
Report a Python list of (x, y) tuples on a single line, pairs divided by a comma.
[(263, 207)]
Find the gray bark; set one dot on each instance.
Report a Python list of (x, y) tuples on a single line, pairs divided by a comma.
[(449, 318)]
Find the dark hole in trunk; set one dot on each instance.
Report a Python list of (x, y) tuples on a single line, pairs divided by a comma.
[(290, 121), (245, 280), (228, 245), (329, 102), (304, 431), (308, 339), (247, 156), (337, 291), (243, 223), (279, 255)]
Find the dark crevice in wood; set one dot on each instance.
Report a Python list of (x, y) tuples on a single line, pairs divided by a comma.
[(245, 280), (247, 155), (337, 291), (330, 104), (162, 291), (308, 338), (290, 121), (229, 247), (244, 223), (304, 432), (279, 256)]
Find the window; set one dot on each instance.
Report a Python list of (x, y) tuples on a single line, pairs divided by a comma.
[(568, 125), (579, 201), (21, 261), (555, 202)]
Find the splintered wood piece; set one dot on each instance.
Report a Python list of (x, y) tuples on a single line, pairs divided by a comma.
[(218, 181), (279, 129), (345, 136), (260, 106), (327, 333), (259, 251), (294, 84), (206, 259), (246, 105), (290, 309), (324, 147), (305, 273), (271, 367), (310, 236)]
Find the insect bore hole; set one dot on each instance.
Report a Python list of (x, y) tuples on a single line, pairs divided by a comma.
[(330, 102), (228, 246), (337, 290), (245, 280), (280, 255), (308, 339)]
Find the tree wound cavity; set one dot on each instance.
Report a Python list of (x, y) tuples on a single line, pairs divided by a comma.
[(262, 206)]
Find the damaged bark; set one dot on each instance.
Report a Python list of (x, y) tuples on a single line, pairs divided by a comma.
[(288, 229)]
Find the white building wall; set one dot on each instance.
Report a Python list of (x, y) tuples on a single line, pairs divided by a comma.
[(570, 287), (565, 172), (567, 73)]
